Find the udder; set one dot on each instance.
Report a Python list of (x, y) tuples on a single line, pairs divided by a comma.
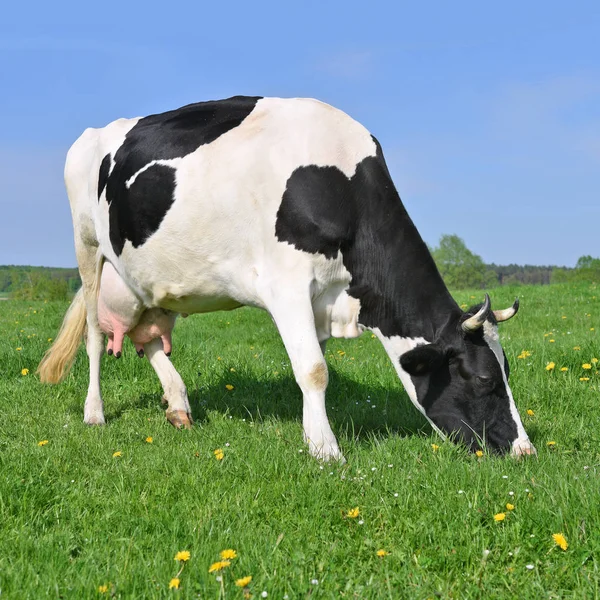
[(121, 313), (154, 323)]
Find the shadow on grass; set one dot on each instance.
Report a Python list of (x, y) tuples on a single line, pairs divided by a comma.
[(355, 410)]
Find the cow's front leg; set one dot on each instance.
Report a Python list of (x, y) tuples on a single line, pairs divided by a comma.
[(178, 412), (297, 330)]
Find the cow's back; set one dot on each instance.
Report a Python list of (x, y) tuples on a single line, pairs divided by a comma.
[(185, 203)]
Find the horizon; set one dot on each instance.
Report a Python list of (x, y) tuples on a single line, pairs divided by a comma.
[(489, 117)]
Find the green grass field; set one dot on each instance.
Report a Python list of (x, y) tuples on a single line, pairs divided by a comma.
[(75, 517)]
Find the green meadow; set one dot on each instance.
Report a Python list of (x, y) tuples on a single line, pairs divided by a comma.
[(102, 511)]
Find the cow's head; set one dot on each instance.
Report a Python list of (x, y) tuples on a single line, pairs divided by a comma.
[(461, 381)]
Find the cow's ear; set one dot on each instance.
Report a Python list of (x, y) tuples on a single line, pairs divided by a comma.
[(422, 359)]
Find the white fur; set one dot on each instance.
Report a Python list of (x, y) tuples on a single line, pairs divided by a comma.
[(521, 445), (172, 162)]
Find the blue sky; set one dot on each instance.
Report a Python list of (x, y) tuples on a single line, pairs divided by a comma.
[(488, 114)]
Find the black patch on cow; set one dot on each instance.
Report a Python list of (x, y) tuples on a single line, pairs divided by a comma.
[(103, 174), (137, 212), (323, 211), (142, 218)]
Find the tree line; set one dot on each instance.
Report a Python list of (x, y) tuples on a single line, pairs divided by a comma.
[(460, 267), (38, 283)]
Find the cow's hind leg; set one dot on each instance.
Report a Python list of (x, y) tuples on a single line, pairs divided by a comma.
[(90, 265), (296, 325), (178, 413)]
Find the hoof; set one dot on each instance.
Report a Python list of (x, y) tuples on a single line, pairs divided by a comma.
[(140, 353), (168, 354), (118, 354), (109, 352), (179, 419), (326, 452), (95, 420)]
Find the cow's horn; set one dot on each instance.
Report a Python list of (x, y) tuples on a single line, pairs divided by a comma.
[(476, 321), (507, 313)]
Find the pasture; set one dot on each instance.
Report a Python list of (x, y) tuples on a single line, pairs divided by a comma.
[(102, 512)]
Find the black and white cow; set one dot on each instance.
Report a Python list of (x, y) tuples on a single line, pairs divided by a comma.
[(286, 205)]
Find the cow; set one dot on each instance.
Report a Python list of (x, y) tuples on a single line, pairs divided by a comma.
[(286, 205)]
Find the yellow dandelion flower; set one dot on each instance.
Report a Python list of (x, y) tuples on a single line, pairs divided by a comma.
[(594, 360), (586, 366), (232, 370), (479, 453), (243, 581), (551, 341), (381, 553), (524, 354), (463, 305), (228, 554), (564, 317), (341, 352), (584, 379), (102, 589), (530, 412), (183, 556), (550, 443), (24, 372), (49, 339), (353, 513), (560, 541), (218, 566), (550, 366), (510, 506), (435, 447), (576, 347), (174, 583), (229, 387), (591, 329), (42, 443), (564, 369), (117, 454), (19, 349), (149, 439), (500, 517), (219, 454)]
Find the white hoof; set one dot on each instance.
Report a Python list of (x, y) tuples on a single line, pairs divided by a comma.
[(94, 419), (326, 451), (93, 411), (523, 448)]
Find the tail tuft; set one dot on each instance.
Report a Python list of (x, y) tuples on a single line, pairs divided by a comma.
[(60, 356)]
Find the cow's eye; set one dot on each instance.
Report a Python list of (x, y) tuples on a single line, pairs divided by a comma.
[(484, 379)]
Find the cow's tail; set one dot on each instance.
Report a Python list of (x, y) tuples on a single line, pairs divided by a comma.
[(59, 358)]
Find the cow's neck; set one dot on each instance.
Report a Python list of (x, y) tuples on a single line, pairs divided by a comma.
[(401, 292)]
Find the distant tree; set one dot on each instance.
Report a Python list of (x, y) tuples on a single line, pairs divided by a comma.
[(460, 267), (37, 285), (38, 282), (586, 269), (586, 262)]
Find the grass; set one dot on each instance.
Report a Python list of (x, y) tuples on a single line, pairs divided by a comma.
[(73, 517)]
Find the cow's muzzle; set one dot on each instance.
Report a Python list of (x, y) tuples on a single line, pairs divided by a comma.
[(522, 448)]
